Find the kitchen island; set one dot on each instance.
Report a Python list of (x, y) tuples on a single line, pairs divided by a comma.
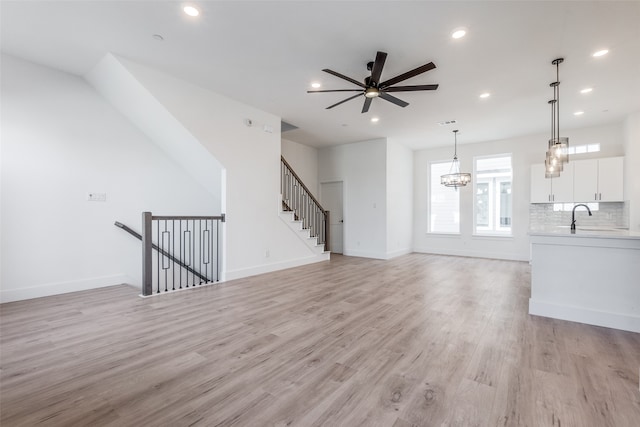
[(592, 276)]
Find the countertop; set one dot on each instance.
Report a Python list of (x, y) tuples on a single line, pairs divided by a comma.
[(586, 232)]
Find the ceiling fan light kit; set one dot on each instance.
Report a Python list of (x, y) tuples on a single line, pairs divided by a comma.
[(373, 88)]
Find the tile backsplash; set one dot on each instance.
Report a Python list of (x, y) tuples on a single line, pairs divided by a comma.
[(615, 215)]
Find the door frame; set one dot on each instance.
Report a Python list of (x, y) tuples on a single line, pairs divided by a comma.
[(344, 205)]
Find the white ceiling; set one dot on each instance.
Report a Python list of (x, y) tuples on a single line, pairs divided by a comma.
[(266, 54)]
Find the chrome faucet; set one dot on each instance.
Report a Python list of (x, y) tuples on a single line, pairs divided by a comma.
[(573, 216)]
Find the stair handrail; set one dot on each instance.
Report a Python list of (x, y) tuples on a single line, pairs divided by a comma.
[(302, 184), (322, 229), (162, 251)]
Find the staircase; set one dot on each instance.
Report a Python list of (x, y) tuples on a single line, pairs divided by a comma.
[(302, 212)]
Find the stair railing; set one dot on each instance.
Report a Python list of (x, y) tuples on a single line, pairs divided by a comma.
[(296, 197), (187, 251)]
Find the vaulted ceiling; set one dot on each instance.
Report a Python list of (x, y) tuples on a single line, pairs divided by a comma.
[(267, 54)]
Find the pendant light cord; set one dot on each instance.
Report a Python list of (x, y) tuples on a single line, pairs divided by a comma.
[(557, 97), (455, 144)]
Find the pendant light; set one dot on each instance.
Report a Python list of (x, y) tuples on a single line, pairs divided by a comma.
[(455, 178), (552, 163), (558, 153)]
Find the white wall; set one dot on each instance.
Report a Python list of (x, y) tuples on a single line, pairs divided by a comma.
[(632, 168), (362, 168), (114, 83), (399, 199), (257, 240), (304, 161), (526, 151), (60, 141)]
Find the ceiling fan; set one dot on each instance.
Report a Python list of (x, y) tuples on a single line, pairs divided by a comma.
[(373, 88)]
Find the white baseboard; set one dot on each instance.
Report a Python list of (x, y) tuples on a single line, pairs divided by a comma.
[(48, 289), (376, 255), (362, 254), (474, 254), (268, 268), (398, 253), (585, 315)]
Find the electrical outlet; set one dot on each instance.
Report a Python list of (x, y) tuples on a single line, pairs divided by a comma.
[(97, 197)]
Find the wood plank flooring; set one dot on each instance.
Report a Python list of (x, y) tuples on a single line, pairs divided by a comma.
[(420, 340)]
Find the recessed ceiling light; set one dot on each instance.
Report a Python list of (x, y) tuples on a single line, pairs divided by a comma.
[(191, 11), (586, 90), (485, 95), (374, 119), (578, 113), (600, 53), (459, 33), (315, 85)]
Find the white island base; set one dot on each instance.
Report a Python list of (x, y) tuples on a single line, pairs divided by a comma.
[(588, 277)]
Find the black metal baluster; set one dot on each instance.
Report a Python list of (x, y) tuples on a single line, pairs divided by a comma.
[(157, 223), (181, 251), (164, 257), (147, 251), (173, 251), (211, 250), (217, 250), (193, 252)]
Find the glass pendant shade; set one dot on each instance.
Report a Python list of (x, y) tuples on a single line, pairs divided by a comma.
[(455, 178), (559, 148), (553, 161), (552, 167)]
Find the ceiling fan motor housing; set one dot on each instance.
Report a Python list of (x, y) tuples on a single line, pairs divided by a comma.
[(373, 88)]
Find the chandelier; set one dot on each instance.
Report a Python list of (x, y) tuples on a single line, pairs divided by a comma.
[(558, 153), (455, 178)]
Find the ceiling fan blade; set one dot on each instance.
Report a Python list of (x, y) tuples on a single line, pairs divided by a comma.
[(335, 90), (410, 88), (344, 100), (408, 75), (367, 104), (342, 76), (376, 70), (393, 99)]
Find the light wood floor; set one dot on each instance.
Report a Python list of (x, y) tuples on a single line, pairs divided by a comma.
[(420, 340)]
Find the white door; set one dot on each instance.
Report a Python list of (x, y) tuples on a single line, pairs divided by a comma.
[(331, 199)]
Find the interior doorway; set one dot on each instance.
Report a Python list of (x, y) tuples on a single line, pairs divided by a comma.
[(331, 197)]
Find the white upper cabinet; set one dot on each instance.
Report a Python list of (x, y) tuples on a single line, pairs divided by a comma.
[(540, 186), (585, 187), (593, 180), (599, 180), (611, 179), (562, 186), (549, 190)]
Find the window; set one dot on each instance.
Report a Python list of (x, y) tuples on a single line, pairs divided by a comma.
[(581, 149), (444, 202), (492, 204)]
